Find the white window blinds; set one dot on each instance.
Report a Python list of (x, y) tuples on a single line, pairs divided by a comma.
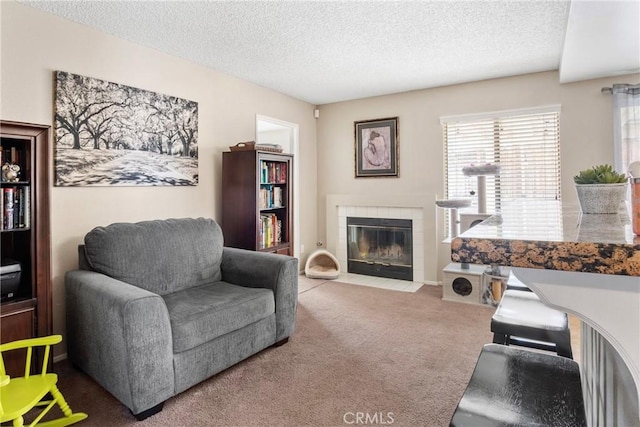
[(525, 144)]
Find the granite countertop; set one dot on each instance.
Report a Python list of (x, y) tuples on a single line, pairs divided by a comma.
[(548, 235)]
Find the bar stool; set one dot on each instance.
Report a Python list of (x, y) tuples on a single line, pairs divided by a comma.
[(522, 319), (518, 387)]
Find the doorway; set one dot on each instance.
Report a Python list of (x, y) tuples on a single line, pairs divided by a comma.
[(285, 134)]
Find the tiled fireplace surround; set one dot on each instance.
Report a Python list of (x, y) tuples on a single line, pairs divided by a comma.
[(339, 207)]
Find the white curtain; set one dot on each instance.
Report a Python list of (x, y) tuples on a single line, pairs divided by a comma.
[(626, 125)]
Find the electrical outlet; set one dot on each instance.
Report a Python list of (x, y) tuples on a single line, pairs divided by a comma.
[(301, 249)]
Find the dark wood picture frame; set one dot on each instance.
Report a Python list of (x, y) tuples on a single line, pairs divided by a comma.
[(376, 147)]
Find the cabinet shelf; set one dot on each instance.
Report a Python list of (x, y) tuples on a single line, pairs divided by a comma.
[(16, 183), (15, 230), (274, 248), (256, 200), (19, 304)]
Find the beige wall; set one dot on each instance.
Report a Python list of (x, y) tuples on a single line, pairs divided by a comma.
[(585, 132), (35, 44)]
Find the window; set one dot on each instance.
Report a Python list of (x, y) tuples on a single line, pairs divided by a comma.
[(526, 144)]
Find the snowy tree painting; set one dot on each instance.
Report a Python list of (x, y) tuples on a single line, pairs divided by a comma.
[(112, 134)]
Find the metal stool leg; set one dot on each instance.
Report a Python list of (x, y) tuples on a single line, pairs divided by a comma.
[(563, 346), (500, 339)]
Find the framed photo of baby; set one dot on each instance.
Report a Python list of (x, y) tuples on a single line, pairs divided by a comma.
[(376, 147)]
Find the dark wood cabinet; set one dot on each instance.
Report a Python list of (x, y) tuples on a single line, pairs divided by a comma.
[(26, 237), (257, 201)]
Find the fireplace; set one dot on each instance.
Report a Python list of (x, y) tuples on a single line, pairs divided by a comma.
[(380, 247)]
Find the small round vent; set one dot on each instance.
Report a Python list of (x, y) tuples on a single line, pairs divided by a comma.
[(462, 286)]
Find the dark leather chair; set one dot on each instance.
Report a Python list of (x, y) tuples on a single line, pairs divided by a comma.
[(522, 319), (519, 387)]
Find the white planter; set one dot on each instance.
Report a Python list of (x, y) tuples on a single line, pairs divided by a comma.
[(601, 198)]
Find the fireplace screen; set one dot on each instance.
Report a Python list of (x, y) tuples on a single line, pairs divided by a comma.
[(380, 247)]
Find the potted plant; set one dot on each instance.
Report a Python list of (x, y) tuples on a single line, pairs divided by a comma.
[(600, 189)]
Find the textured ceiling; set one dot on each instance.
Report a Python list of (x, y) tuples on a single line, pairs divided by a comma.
[(329, 51)]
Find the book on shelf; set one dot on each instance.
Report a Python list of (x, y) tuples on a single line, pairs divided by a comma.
[(27, 206), (10, 155), (7, 212), (277, 197), (278, 231), (273, 172), (16, 207), (264, 172), (283, 173), (271, 197), (270, 231)]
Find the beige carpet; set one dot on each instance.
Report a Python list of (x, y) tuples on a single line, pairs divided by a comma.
[(398, 358)]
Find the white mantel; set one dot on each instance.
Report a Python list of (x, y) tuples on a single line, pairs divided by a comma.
[(416, 207)]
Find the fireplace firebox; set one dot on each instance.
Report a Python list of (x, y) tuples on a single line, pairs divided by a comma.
[(380, 247)]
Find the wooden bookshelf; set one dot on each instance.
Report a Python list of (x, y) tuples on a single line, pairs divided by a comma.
[(257, 201), (26, 237)]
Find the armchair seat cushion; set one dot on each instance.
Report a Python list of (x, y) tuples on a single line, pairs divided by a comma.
[(202, 313)]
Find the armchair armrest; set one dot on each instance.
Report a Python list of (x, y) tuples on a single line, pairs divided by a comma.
[(266, 270), (121, 335)]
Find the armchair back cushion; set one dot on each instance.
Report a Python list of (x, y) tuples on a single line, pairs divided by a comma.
[(161, 256)]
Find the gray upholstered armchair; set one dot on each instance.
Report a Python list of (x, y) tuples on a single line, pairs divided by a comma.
[(159, 306)]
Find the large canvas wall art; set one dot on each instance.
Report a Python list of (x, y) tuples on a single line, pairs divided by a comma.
[(111, 134)]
